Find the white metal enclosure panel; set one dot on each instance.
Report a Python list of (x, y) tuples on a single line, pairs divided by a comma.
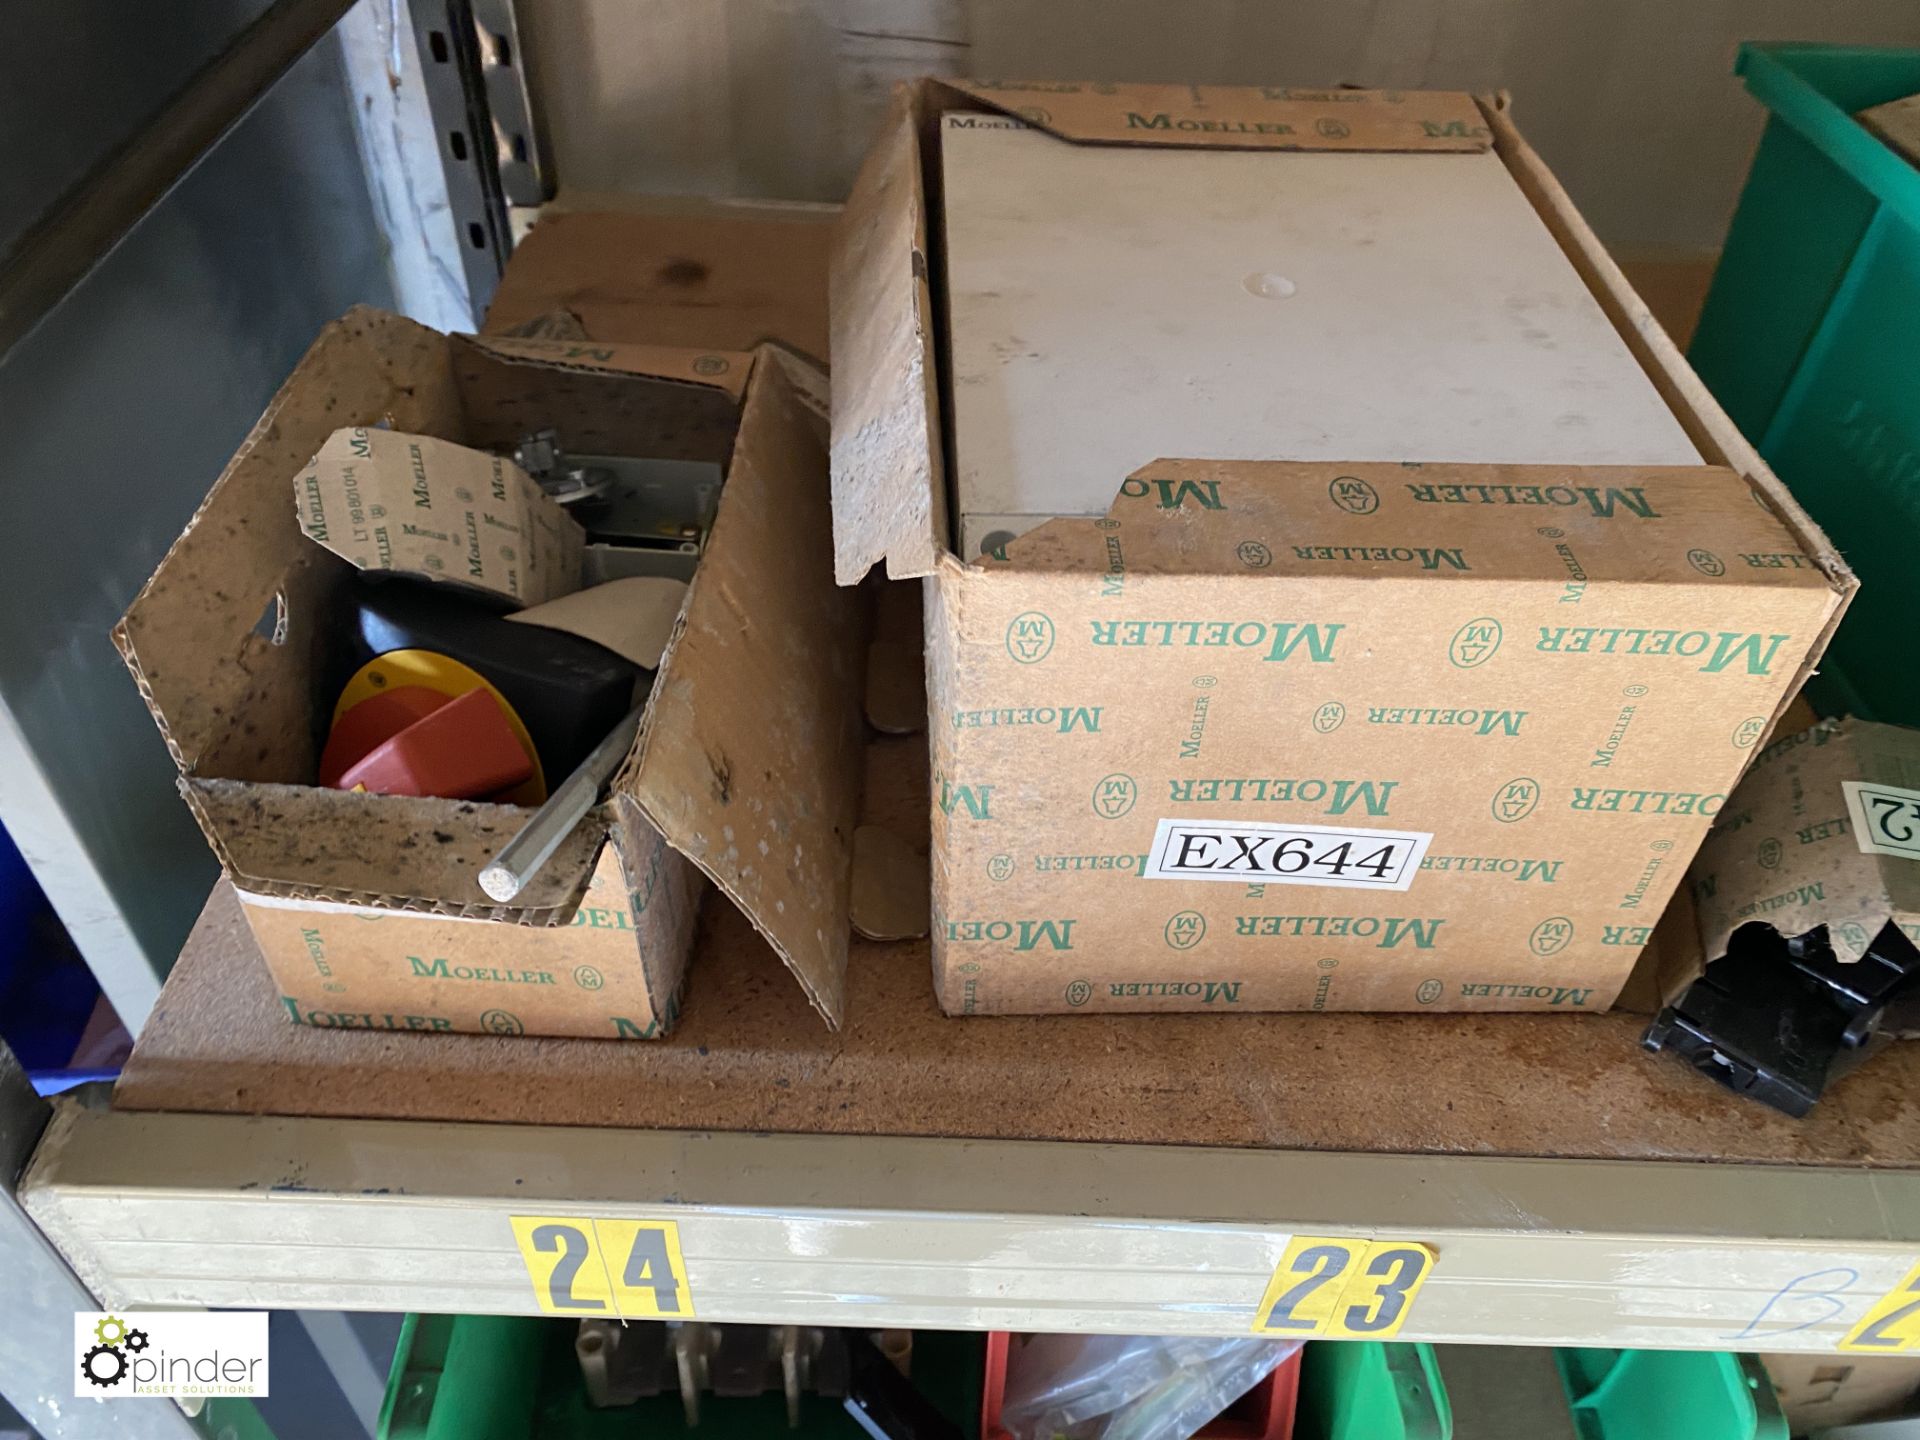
[(1111, 305)]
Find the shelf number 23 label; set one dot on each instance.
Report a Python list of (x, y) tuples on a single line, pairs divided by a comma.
[(1360, 1289), (628, 1268)]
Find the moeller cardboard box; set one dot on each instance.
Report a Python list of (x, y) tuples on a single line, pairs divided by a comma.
[(1283, 735), (1824, 830), (745, 771)]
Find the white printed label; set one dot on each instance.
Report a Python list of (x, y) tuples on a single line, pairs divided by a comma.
[(175, 1353), (1268, 853), (1886, 819)]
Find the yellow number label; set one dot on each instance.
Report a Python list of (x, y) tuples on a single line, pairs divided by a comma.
[(1893, 1324), (1328, 1286), (629, 1268), (643, 1260)]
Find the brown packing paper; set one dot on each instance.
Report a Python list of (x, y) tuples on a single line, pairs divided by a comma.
[(414, 505), (1795, 849), (632, 617), (1248, 117)]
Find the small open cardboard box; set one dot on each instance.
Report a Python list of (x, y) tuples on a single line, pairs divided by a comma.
[(746, 769), (1241, 644)]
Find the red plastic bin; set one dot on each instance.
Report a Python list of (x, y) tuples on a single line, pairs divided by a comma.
[(1263, 1413)]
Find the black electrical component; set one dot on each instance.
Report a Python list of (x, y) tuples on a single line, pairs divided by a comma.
[(884, 1403), (568, 691), (1777, 1018)]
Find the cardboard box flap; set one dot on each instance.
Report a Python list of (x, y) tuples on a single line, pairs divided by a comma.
[(1706, 423), (762, 790), (415, 505), (1822, 831), (1239, 116), (229, 573), (647, 401), (889, 493), (390, 852), (723, 370), (1315, 519)]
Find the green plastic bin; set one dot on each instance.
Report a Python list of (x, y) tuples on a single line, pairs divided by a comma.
[(1670, 1395), (1810, 337), (1369, 1390)]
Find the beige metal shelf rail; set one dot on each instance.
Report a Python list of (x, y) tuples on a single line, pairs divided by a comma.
[(176, 1209)]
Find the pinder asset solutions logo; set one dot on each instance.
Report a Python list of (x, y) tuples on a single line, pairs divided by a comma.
[(173, 1354)]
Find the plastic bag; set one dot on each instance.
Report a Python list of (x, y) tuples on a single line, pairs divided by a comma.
[(1129, 1387)]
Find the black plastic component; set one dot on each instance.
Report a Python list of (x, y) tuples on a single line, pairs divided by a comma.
[(886, 1404), (567, 691), (1779, 1018)]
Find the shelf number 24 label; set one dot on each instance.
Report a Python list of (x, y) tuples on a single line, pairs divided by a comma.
[(1357, 1289), (628, 1268)]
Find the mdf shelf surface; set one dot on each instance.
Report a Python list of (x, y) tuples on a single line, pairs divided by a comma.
[(1127, 1173)]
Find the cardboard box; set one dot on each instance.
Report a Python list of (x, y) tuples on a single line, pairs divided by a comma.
[(745, 772), (1819, 1392), (673, 270), (1824, 830), (1507, 700)]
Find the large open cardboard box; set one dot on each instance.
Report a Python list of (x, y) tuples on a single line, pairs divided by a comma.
[(1535, 728), (746, 770)]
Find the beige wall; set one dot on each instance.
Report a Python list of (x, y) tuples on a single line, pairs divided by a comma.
[(1632, 101)]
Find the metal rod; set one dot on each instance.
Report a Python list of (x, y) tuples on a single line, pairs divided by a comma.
[(84, 225), (534, 843)]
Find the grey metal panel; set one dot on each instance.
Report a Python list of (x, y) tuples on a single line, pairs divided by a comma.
[(447, 44), (120, 410), (41, 1294), (85, 223), (400, 148), (1633, 103), (82, 75), (518, 145)]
